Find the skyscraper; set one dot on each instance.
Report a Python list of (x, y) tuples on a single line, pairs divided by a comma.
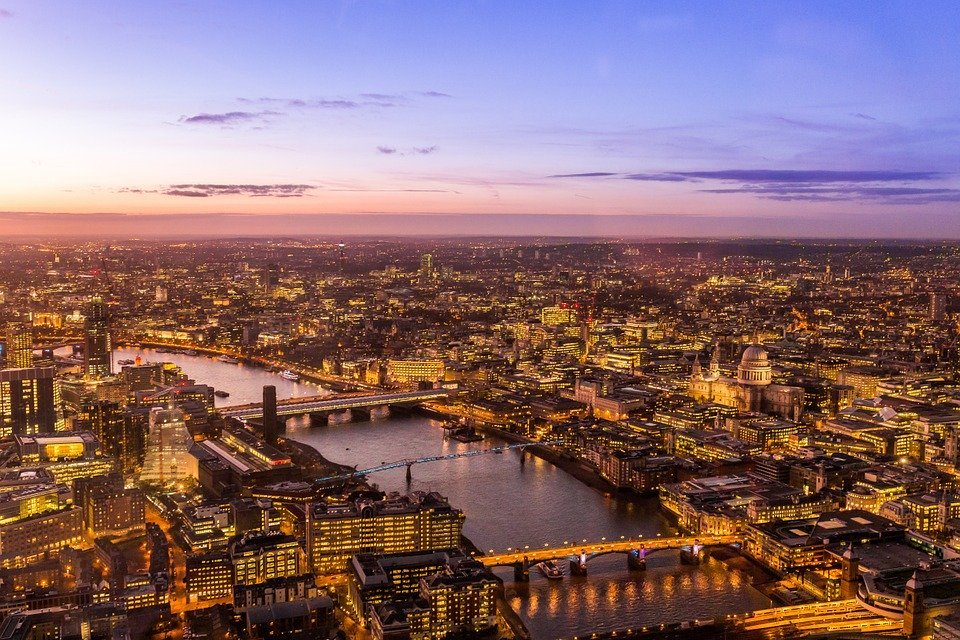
[(426, 268), (19, 345), (29, 401), (97, 347), (270, 414), (938, 306), (168, 457)]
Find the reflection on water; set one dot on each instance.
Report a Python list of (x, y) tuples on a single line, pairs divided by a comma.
[(243, 382), (509, 505)]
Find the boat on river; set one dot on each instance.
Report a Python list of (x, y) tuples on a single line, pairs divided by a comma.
[(550, 569), (228, 360), (221, 393), (286, 374)]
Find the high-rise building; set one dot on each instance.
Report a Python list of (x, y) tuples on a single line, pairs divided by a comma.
[(30, 401), (19, 345), (97, 347), (270, 426), (938, 306), (426, 268), (168, 457)]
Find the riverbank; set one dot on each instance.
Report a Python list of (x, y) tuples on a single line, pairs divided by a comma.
[(310, 460), (576, 468), (306, 374)]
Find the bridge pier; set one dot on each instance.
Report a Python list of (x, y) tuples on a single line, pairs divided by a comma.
[(637, 559), (340, 417), (691, 555), (578, 565), (319, 418), (409, 473), (380, 412), (521, 570)]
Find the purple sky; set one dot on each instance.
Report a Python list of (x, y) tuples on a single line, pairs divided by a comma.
[(602, 118)]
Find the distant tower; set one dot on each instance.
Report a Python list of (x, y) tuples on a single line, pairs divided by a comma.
[(697, 373), (271, 278), (426, 268), (270, 427), (849, 574), (938, 307), (19, 346), (97, 347), (913, 608), (715, 362)]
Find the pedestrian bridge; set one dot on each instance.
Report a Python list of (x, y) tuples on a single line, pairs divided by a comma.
[(340, 402), (513, 557)]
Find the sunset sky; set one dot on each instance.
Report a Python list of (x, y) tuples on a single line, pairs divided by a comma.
[(724, 117)]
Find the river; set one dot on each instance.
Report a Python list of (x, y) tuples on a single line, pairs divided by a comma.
[(509, 504)]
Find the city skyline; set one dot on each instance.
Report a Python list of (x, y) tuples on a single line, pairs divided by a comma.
[(806, 120)]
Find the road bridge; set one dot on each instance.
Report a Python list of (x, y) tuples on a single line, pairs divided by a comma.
[(580, 553), (336, 403)]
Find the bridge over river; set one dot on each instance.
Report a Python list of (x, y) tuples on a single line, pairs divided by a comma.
[(336, 403), (578, 554)]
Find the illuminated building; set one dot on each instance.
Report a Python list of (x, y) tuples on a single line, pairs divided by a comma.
[(30, 401), (788, 545), (19, 346), (307, 618), (426, 268), (105, 420), (722, 504), (410, 371), (96, 341), (108, 507), (752, 391), (419, 522), (425, 594), (67, 456), (30, 539), (258, 557), (461, 600), (938, 307), (209, 576), (556, 316), (167, 458), (274, 590)]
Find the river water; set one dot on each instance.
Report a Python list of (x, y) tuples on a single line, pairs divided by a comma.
[(509, 504)]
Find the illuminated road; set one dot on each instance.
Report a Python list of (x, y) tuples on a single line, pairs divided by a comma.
[(622, 545)]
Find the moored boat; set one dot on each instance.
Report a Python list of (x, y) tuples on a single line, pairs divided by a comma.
[(286, 374), (550, 569)]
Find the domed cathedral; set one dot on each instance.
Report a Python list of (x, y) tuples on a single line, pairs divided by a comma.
[(751, 391)]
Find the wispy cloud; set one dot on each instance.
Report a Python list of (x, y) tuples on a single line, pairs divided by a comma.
[(198, 190), (890, 187), (413, 151), (228, 118), (5, 14), (589, 174)]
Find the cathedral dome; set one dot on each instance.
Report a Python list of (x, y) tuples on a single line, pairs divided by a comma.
[(754, 367)]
